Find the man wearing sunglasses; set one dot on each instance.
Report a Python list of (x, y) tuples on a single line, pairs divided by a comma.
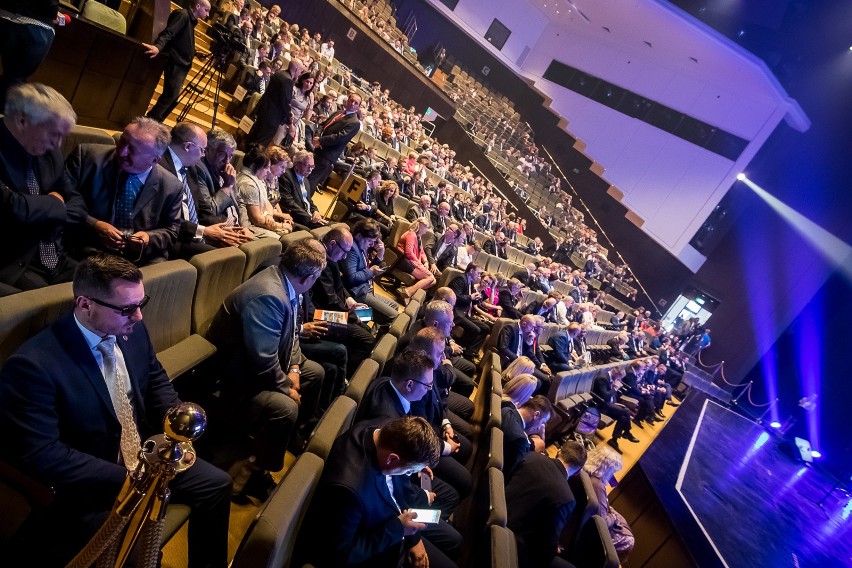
[(77, 400)]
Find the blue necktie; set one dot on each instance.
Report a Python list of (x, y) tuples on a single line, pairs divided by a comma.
[(124, 203)]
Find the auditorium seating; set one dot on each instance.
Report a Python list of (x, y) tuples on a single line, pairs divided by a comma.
[(24, 314), (504, 549), (365, 374), (586, 505), (335, 420), (219, 272), (400, 325), (259, 252)]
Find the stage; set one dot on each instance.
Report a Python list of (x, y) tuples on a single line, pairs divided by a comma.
[(736, 500)]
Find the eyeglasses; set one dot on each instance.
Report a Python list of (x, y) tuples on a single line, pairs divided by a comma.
[(203, 150), (125, 311), (429, 386)]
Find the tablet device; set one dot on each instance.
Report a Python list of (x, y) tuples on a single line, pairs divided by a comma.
[(364, 314)]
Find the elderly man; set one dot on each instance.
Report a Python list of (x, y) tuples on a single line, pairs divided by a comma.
[(420, 209), (273, 117), (297, 192), (217, 175), (177, 43), (188, 145), (134, 204), (268, 380), (77, 399), (333, 136), (38, 199)]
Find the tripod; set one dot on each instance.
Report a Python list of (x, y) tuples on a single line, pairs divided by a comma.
[(194, 91)]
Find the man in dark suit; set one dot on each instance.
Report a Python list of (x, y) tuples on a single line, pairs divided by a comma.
[(526, 274), (216, 175), (272, 386), (359, 515), (77, 399), (580, 293), (177, 43), (475, 331), (510, 342), (539, 502), (297, 192), (634, 380), (419, 209), (358, 273), (133, 203), (507, 298), (273, 108), (334, 135), (440, 218), (545, 309), (446, 248), (194, 236), (606, 387), (563, 355), (523, 430), (36, 197)]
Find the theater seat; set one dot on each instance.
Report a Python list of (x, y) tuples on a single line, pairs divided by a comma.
[(105, 16), (586, 505), (400, 325), (219, 272), (25, 314), (168, 315), (412, 309), (384, 351), (336, 420), (365, 374), (85, 135), (594, 546), (271, 537), (504, 549), (259, 252)]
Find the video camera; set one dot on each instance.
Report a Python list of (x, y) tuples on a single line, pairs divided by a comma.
[(225, 40)]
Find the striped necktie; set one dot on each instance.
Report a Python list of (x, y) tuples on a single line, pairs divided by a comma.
[(187, 196)]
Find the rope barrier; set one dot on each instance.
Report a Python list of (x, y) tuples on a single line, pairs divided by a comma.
[(750, 401)]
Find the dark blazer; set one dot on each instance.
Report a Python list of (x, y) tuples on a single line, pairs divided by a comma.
[(26, 220), (516, 444), (603, 388), (539, 501), (213, 207), (352, 520), (328, 293), (507, 302), (415, 212), (177, 40), (460, 286), (560, 343), (291, 197), (380, 402), (507, 343), (253, 331), (448, 257), (578, 297), (273, 109), (634, 384), (334, 137), (54, 400), (523, 275), (187, 229), (439, 224), (95, 174), (356, 274)]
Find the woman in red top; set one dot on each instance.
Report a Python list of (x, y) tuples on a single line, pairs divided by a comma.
[(414, 260)]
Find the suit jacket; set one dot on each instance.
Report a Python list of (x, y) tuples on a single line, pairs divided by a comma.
[(213, 206), (539, 501), (26, 220), (439, 224), (94, 172), (523, 275), (61, 424), (579, 298), (634, 384), (352, 520), (460, 286), (603, 388), (516, 443), (254, 333), (446, 258), (273, 109), (508, 343), (328, 293), (415, 212), (291, 197), (177, 40), (560, 342), (356, 274), (335, 135), (507, 302), (380, 402)]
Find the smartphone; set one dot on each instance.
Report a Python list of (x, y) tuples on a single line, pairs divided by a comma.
[(428, 516), (425, 482), (364, 314)]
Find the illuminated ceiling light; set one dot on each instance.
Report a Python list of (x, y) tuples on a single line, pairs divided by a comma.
[(775, 424), (816, 454), (741, 176)]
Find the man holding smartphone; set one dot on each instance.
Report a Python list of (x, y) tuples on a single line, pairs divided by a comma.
[(361, 512)]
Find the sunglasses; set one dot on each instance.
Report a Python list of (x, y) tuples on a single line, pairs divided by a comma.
[(125, 311)]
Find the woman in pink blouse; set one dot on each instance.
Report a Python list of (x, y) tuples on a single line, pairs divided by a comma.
[(414, 260)]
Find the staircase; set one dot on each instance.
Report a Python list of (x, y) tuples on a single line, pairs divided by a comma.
[(703, 381)]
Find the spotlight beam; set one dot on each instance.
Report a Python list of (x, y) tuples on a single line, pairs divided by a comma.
[(837, 252)]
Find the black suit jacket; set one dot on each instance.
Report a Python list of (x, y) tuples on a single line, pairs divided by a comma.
[(516, 444), (560, 342), (328, 293), (273, 109), (439, 224), (380, 402), (634, 384), (58, 416), (508, 342), (291, 197), (523, 275), (446, 258), (460, 286), (213, 203), (352, 520), (539, 501), (26, 220), (177, 40), (603, 388), (334, 137), (94, 172), (507, 302)]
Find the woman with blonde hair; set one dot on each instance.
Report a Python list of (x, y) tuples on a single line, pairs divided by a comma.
[(414, 260), (520, 389), (520, 366), (601, 465)]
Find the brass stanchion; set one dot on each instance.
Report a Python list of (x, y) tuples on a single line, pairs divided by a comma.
[(140, 508)]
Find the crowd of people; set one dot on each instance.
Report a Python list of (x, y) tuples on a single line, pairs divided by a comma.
[(161, 193)]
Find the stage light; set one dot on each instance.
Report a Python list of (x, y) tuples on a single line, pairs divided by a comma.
[(775, 424), (741, 176), (816, 454)]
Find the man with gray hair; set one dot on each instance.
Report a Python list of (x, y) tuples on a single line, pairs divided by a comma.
[(297, 192), (37, 197), (273, 110), (134, 204), (218, 175)]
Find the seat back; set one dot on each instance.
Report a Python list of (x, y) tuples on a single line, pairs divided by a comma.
[(586, 506), (271, 537), (85, 135), (412, 308), (384, 351), (497, 510), (447, 276), (336, 420), (171, 286), (396, 231), (105, 16), (400, 325), (400, 206), (594, 546), (365, 374), (491, 342), (219, 272), (504, 548), (24, 314), (257, 253)]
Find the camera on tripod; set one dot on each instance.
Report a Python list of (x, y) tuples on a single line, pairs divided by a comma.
[(225, 41)]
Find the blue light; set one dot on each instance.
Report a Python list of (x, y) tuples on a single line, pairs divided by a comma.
[(775, 424), (816, 454), (761, 440)]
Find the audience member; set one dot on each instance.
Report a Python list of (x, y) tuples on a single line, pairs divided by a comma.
[(606, 387), (38, 198), (359, 270), (414, 261), (333, 136), (297, 192), (602, 464), (26, 34), (273, 115), (523, 430)]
